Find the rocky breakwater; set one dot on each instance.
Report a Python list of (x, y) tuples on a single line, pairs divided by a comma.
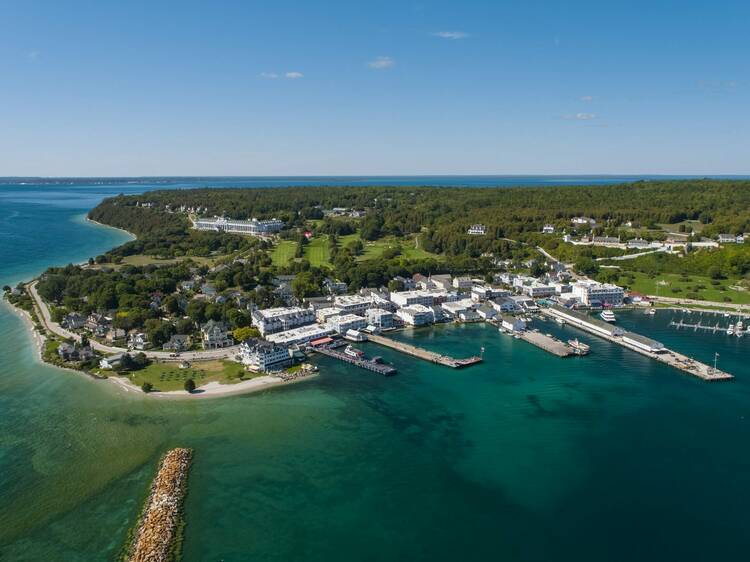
[(162, 515)]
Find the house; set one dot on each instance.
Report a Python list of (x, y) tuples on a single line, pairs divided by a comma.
[(477, 230), (111, 361), (208, 290), (334, 286), (115, 334), (727, 238), (177, 343), (409, 298), (97, 324), (455, 308), (548, 229), (74, 321), (342, 323), (583, 221), (74, 352), (505, 304), (139, 341), (469, 315), (442, 281), (462, 283), (512, 323), (215, 335), (258, 355), (379, 318)]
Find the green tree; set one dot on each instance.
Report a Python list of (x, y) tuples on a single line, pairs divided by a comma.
[(190, 385), (147, 387), (241, 334)]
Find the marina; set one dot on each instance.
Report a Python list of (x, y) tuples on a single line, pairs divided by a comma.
[(414, 351), (638, 343)]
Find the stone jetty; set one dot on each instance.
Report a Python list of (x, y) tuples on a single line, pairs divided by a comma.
[(161, 517)]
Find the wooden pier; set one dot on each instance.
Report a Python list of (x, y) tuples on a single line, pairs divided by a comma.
[(380, 368), (547, 343), (420, 353), (703, 327), (666, 356)]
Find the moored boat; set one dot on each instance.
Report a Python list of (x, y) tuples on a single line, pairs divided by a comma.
[(578, 347), (354, 352), (608, 316)]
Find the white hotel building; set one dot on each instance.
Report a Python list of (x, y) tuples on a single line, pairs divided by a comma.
[(272, 320), (342, 323), (409, 298), (254, 226), (592, 292)]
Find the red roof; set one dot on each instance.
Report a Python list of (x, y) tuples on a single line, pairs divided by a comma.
[(321, 341)]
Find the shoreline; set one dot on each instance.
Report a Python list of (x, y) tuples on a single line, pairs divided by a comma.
[(212, 389), (101, 224)]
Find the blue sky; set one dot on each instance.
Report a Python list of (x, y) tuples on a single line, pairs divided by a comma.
[(347, 87)]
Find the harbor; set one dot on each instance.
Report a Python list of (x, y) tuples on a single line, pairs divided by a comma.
[(638, 343), (357, 360), (420, 353)]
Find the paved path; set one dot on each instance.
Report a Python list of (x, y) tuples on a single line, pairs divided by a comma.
[(708, 304), (43, 314)]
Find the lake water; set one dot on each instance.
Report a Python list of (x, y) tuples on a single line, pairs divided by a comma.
[(525, 457)]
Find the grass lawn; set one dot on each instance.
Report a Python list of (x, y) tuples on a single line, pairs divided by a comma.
[(169, 376), (142, 259), (668, 282), (283, 253)]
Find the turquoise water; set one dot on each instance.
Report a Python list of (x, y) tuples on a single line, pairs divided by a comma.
[(523, 458)]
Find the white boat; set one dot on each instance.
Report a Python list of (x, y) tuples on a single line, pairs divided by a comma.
[(560, 321), (354, 352), (650, 311), (608, 316), (730, 331), (578, 347), (739, 326)]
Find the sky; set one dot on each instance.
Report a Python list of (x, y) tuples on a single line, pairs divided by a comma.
[(374, 88)]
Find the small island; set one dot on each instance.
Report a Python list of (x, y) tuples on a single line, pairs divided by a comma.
[(230, 290)]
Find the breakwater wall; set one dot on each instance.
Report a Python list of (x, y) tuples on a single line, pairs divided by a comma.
[(156, 533)]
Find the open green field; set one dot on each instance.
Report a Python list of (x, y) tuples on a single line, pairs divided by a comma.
[(169, 376), (140, 260), (318, 254), (692, 286)]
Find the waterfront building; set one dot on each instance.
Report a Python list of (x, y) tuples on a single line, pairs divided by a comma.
[(254, 226), (379, 318), (477, 230), (486, 311), (322, 315), (643, 342), (455, 308), (416, 315), (593, 293), (469, 315), (215, 335), (300, 335), (258, 355), (111, 361), (505, 304), (512, 323), (341, 323), (272, 320), (484, 292)]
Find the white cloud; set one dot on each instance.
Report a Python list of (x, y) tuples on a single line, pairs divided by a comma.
[(580, 116), (451, 34), (587, 98), (380, 63), (293, 75), (268, 75)]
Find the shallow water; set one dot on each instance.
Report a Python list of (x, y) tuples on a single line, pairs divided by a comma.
[(525, 457)]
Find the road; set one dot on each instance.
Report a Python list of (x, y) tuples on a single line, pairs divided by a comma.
[(44, 316), (707, 304)]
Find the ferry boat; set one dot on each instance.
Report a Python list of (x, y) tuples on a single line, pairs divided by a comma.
[(608, 316), (354, 352), (578, 347)]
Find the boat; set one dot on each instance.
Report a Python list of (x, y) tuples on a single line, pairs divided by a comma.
[(650, 311), (608, 316), (739, 326), (730, 330), (560, 321), (354, 352), (578, 347)]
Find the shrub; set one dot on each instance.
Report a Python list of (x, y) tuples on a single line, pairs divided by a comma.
[(147, 387), (190, 385)]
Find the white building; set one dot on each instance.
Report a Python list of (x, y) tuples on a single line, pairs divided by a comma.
[(254, 226), (505, 304), (462, 283), (379, 318), (272, 320), (409, 298), (486, 311), (215, 335), (416, 315), (592, 293), (642, 342), (548, 229), (258, 355), (344, 322), (301, 335), (442, 281), (477, 230), (539, 290), (352, 304), (322, 315), (512, 323), (455, 308), (581, 221), (485, 292)]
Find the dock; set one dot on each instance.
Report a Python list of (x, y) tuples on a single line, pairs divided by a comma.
[(619, 336), (703, 327), (369, 365), (431, 356), (547, 343)]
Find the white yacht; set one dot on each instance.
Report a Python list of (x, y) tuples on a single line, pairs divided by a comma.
[(730, 330), (608, 316)]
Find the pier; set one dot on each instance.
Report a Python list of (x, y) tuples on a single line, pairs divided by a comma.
[(639, 344), (380, 368), (547, 343), (420, 353), (704, 327)]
